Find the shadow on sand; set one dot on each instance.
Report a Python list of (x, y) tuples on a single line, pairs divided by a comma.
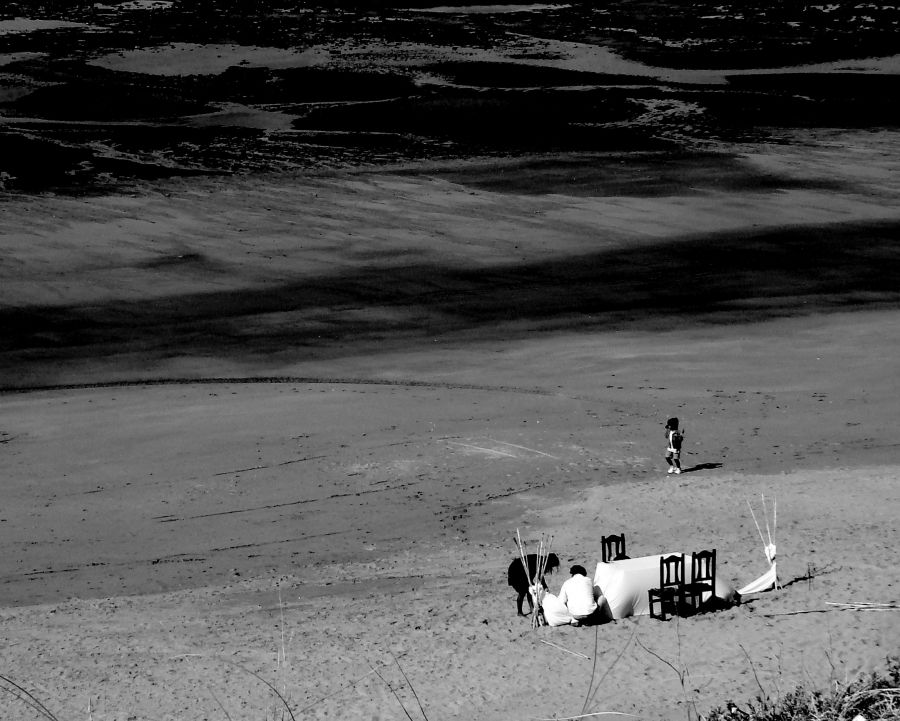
[(701, 467)]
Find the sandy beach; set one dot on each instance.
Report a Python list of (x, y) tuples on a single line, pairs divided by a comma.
[(154, 578), (315, 521)]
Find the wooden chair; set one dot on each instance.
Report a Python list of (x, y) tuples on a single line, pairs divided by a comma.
[(612, 548), (703, 579), (669, 597)]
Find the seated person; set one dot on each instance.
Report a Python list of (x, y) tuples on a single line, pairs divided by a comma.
[(578, 595)]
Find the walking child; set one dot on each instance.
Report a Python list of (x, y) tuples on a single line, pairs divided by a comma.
[(674, 438)]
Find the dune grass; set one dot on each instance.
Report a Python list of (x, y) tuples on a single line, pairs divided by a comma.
[(874, 697)]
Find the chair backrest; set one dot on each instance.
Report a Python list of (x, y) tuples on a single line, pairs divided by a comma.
[(671, 571), (612, 548), (703, 567)]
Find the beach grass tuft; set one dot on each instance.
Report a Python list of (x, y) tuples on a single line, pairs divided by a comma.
[(873, 697)]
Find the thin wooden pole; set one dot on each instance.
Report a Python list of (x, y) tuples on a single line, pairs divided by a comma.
[(766, 516), (574, 653), (758, 529)]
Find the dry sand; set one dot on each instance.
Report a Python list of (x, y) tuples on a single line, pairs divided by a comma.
[(166, 542)]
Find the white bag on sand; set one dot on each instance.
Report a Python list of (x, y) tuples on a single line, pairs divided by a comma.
[(555, 611)]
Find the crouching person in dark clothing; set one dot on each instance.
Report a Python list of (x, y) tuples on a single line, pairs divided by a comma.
[(517, 578)]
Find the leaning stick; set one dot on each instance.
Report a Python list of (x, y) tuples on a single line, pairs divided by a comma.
[(541, 559), (758, 529), (561, 648), (536, 583), (546, 556), (522, 557), (544, 560), (766, 516), (775, 516)]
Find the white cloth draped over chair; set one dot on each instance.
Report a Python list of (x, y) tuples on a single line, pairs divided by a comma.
[(625, 584)]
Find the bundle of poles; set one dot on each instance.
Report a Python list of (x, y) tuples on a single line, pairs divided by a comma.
[(536, 583)]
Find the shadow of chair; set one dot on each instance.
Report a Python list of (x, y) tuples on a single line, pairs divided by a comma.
[(702, 581), (669, 597), (612, 548)]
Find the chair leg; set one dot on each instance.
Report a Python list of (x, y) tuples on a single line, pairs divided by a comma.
[(686, 602), (655, 597), (693, 599)]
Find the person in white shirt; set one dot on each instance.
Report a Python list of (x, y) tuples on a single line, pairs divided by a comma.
[(578, 594)]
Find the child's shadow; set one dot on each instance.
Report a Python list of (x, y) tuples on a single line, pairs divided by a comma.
[(701, 467)]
